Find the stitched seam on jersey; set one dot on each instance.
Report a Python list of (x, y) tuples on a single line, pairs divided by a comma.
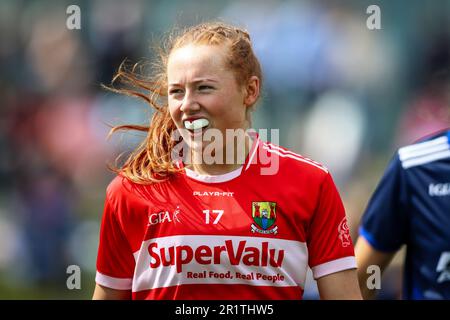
[(316, 207), (295, 158), (270, 145), (283, 151)]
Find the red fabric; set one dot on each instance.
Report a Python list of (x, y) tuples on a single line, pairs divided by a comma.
[(309, 212)]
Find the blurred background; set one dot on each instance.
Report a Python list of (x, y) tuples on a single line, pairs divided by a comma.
[(340, 93)]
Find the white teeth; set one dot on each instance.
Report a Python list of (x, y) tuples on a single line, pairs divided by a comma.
[(196, 124)]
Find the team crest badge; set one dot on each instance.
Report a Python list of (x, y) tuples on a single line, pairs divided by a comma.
[(264, 216)]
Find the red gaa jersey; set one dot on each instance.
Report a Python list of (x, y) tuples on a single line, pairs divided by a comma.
[(248, 234)]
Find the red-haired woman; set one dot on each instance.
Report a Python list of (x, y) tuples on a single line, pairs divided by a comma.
[(179, 229)]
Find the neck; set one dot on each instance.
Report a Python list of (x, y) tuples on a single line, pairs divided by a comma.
[(226, 165)]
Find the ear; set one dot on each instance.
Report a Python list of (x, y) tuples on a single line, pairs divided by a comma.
[(252, 91)]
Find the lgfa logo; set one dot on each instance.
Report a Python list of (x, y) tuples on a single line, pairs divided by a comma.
[(264, 215), (163, 216), (439, 189)]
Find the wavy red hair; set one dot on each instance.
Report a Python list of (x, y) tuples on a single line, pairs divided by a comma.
[(151, 161)]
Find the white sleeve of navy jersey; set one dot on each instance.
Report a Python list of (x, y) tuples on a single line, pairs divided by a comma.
[(384, 224)]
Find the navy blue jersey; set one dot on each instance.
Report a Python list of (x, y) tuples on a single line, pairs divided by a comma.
[(411, 206)]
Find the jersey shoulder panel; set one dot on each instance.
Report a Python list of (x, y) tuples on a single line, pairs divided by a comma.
[(117, 187), (425, 151), (292, 163)]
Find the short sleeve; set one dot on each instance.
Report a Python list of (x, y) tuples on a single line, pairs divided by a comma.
[(115, 260), (384, 222), (330, 246)]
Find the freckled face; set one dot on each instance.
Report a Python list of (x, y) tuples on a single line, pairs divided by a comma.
[(202, 88)]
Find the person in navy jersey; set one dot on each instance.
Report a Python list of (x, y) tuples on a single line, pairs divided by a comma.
[(411, 206)]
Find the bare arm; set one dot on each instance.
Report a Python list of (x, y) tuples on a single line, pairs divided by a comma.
[(105, 293), (341, 285), (366, 255)]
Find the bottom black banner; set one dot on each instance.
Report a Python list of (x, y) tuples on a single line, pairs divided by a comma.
[(181, 310)]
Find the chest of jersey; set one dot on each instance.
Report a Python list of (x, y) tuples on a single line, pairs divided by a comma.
[(233, 233), (429, 239), (430, 203), (235, 209)]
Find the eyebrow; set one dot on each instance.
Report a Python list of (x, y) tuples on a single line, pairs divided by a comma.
[(196, 81)]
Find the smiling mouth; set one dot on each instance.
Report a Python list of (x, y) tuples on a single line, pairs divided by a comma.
[(196, 125)]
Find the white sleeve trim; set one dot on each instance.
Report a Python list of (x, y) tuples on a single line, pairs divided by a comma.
[(113, 283), (334, 266)]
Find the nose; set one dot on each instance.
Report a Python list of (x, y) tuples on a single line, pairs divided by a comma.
[(189, 103)]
